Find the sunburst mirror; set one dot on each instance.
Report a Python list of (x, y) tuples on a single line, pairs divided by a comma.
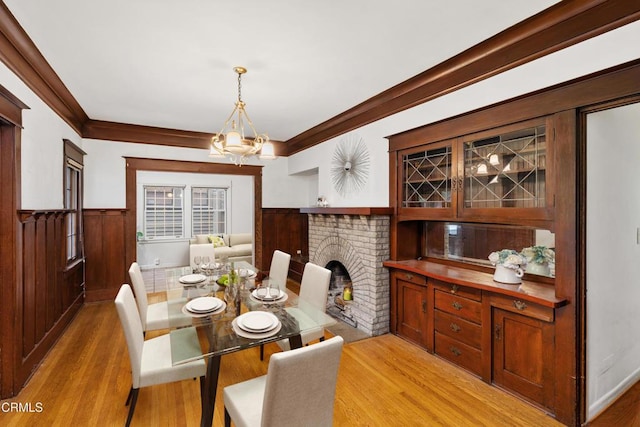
[(350, 165)]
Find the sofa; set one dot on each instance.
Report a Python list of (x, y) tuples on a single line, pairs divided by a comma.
[(234, 247)]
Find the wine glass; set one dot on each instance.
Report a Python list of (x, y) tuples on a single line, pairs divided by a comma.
[(197, 260)]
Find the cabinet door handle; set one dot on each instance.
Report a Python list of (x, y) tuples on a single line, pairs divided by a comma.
[(457, 305), (456, 351), (519, 305), (497, 332), (454, 289), (424, 306), (454, 327)]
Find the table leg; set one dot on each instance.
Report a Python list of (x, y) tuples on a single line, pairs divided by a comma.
[(295, 341), (209, 391)]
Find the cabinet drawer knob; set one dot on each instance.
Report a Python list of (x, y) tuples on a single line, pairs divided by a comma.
[(457, 305), (408, 276), (456, 351), (519, 305), (454, 289), (454, 327)]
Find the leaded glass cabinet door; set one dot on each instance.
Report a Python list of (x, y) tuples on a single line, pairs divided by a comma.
[(428, 179), (506, 169)]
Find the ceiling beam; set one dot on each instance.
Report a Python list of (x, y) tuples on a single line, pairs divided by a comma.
[(21, 55), (562, 25)]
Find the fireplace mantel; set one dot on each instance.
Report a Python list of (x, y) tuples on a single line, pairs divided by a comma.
[(363, 211)]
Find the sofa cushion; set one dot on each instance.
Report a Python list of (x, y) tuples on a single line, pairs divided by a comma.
[(240, 238), (201, 238), (241, 250)]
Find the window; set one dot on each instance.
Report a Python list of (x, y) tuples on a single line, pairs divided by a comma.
[(208, 210), (73, 164), (163, 212)]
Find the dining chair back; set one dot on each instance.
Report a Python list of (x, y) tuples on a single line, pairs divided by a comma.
[(299, 389), (314, 289), (151, 360), (201, 251), (279, 270), (154, 316)]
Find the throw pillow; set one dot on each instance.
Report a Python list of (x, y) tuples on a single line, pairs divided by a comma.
[(217, 241)]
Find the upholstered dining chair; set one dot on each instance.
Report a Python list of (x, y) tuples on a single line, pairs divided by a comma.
[(151, 359), (278, 273), (299, 389), (314, 289), (279, 270), (153, 316)]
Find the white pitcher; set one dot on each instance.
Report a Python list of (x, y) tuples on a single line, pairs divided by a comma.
[(507, 275)]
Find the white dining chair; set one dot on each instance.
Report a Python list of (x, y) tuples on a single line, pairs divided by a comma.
[(278, 274), (201, 251), (153, 316), (314, 289), (279, 270), (151, 360), (298, 390)]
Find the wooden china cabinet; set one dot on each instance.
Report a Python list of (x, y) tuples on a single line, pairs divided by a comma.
[(459, 197)]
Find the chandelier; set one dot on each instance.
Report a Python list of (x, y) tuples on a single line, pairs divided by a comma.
[(232, 142)]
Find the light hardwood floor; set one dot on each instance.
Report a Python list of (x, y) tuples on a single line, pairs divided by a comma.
[(382, 381)]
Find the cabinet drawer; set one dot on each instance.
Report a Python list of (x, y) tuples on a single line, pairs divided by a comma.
[(525, 308), (459, 306), (459, 329), (459, 353), (411, 277), (453, 289)]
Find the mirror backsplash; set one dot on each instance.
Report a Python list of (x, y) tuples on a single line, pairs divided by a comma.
[(472, 243)]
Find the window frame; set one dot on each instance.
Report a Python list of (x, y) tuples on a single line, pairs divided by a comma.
[(145, 206), (210, 210), (73, 189)]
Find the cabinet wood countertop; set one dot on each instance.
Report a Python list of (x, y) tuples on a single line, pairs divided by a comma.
[(528, 290)]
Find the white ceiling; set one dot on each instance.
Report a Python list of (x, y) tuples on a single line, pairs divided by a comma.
[(169, 63)]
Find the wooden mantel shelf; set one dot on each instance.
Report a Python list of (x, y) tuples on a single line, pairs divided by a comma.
[(364, 211)]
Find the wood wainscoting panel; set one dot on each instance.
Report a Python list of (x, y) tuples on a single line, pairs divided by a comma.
[(285, 229), (47, 298), (104, 235)]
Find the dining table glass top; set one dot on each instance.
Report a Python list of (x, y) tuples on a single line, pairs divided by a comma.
[(228, 322)]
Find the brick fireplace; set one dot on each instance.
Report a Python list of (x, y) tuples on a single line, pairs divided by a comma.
[(358, 239)]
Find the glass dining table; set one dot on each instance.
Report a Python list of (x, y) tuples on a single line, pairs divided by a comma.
[(221, 330)]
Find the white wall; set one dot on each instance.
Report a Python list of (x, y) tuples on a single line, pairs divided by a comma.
[(42, 149), (587, 57), (613, 254)]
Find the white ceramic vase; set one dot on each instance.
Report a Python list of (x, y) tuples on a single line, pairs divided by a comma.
[(539, 269), (508, 275)]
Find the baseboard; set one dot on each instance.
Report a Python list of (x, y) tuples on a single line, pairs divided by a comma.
[(608, 399)]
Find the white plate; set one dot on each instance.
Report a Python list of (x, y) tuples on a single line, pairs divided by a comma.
[(244, 272), (209, 313), (204, 304), (261, 294), (281, 298), (191, 279), (244, 334), (257, 321)]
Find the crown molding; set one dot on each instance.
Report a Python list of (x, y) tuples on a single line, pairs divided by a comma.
[(21, 55), (562, 25)]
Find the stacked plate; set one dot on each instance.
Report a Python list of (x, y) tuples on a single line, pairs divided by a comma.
[(269, 295), (204, 306), (192, 279), (256, 324)]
